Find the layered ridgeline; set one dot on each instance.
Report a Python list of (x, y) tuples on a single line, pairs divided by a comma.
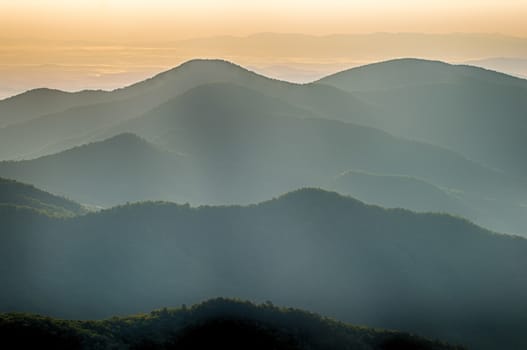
[(395, 191), (233, 136), (476, 112), (473, 111), (121, 169), (224, 143), (434, 275), (38, 102), (217, 323), (57, 129)]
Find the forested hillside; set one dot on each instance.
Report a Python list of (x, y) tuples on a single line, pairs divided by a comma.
[(310, 249), (17, 194), (217, 323)]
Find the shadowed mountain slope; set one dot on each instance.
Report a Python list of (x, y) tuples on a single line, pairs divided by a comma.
[(227, 128), (17, 194), (217, 323), (256, 145), (38, 102), (120, 169), (64, 129), (242, 146), (435, 275), (242, 134)]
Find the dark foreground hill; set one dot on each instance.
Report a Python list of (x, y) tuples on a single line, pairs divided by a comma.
[(17, 194), (434, 275), (217, 323)]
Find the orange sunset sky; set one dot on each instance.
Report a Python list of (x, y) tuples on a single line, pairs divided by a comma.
[(109, 43)]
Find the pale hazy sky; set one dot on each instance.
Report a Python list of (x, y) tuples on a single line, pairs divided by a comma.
[(118, 19), (76, 44)]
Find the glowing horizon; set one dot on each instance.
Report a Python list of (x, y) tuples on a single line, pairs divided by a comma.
[(120, 19), (74, 45)]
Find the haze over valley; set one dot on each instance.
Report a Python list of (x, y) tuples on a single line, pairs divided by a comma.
[(291, 175)]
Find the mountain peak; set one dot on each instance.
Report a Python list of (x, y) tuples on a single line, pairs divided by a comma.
[(126, 137), (311, 196), (41, 92), (196, 62), (391, 74), (404, 72), (202, 65), (194, 73), (124, 143)]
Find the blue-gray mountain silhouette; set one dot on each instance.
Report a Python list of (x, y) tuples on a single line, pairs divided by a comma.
[(216, 323), (431, 274), (476, 112)]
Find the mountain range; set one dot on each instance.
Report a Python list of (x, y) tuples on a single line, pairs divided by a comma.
[(218, 133), (430, 243), (476, 112)]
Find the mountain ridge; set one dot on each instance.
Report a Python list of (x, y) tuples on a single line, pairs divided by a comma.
[(244, 145), (476, 112), (232, 64), (220, 322), (21, 195), (311, 249), (104, 172), (414, 69)]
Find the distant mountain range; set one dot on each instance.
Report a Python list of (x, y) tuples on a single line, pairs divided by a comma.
[(444, 141), (54, 131), (431, 274), (288, 56), (478, 113), (396, 191), (232, 156), (215, 133), (217, 323), (509, 65), (475, 112)]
